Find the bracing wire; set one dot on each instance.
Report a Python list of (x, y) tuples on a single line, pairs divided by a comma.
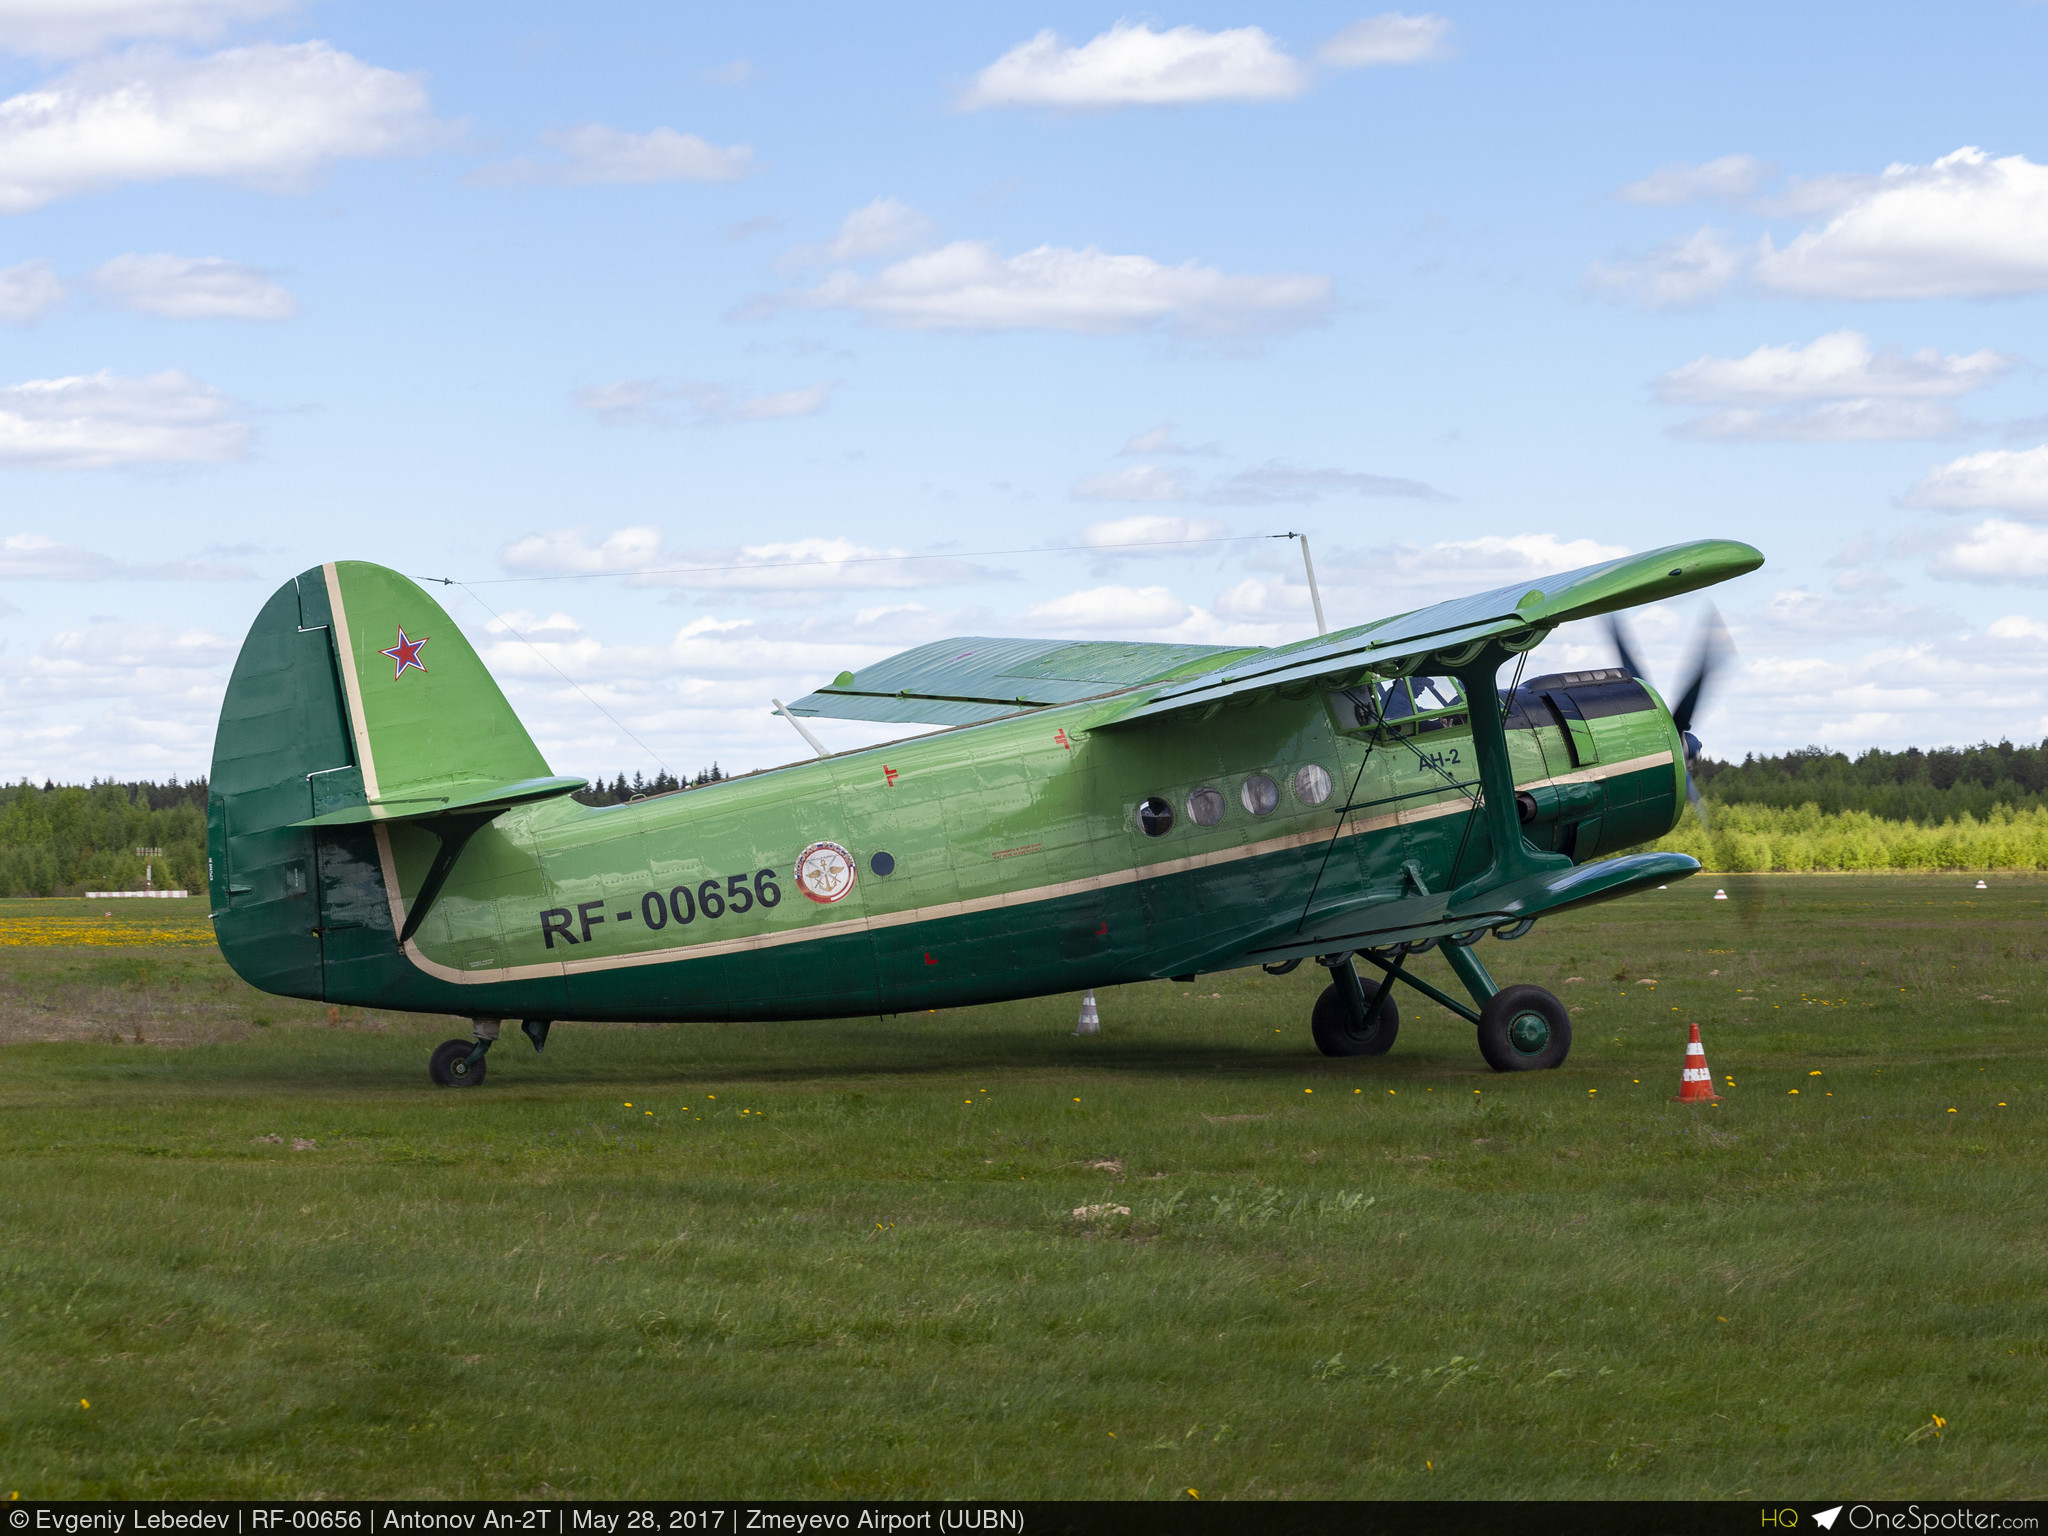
[(565, 677)]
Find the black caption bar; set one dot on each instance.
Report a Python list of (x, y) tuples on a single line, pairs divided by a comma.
[(1190, 1514)]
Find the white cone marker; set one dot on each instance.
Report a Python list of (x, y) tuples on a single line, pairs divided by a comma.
[(1091, 1022), (1720, 895)]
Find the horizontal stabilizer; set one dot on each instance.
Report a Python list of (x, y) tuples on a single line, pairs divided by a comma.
[(424, 800), (973, 678), (1518, 616)]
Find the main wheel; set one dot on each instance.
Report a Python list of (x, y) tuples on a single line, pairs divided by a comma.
[(1524, 1029), (1336, 1035), (450, 1065)]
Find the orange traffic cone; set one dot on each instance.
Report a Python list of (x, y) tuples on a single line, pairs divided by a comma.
[(1698, 1084)]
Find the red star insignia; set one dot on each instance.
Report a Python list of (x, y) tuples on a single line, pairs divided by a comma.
[(406, 653)]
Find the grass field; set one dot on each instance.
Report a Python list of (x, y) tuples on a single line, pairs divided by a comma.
[(843, 1259)]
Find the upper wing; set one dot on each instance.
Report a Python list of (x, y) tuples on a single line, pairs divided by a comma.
[(960, 681), (1520, 615)]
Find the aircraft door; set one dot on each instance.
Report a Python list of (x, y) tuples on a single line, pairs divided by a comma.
[(903, 822)]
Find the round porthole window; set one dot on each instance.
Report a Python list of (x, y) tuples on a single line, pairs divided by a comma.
[(1155, 817), (1260, 795), (882, 864), (1205, 807), (1312, 785)]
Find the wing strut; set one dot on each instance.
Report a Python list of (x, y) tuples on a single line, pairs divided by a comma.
[(454, 832), (1513, 855)]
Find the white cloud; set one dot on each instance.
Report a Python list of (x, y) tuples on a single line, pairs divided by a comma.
[(968, 286), (1113, 608), (795, 565), (85, 26), (1268, 600), (1141, 482), (1471, 565), (565, 551), (1995, 550), (145, 660), (645, 401), (2000, 479), (1867, 580), (1161, 440), (1836, 421), (32, 557), (1275, 482), (1671, 186), (193, 288), (2018, 627), (272, 115), (1151, 533), (1389, 39), (885, 227), (526, 624), (1676, 275), (594, 154), (1838, 366), (1132, 65), (28, 292), (1796, 612), (100, 420), (1967, 225)]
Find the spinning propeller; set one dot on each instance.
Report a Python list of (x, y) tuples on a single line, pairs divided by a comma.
[(1714, 650)]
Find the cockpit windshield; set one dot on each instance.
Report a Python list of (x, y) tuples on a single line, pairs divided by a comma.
[(1406, 696)]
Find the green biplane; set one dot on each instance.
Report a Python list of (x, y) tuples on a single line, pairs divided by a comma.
[(382, 832)]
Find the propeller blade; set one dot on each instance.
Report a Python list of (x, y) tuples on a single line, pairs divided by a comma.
[(1618, 633), (1714, 650), (1697, 801)]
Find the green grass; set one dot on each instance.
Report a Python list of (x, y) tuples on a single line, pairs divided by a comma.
[(855, 1270)]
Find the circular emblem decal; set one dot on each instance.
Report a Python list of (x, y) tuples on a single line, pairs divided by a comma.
[(824, 872)]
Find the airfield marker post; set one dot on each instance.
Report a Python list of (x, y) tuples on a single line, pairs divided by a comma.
[(1091, 1022)]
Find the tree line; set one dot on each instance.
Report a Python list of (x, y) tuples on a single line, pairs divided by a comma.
[(1932, 786), (65, 839)]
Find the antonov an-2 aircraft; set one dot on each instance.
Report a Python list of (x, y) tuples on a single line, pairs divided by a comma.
[(383, 833)]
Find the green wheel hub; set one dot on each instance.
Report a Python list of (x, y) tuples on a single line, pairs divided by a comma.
[(1529, 1032)]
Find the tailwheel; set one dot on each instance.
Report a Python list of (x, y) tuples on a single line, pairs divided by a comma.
[(1339, 1034), (451, 1067), (1524, 1029)]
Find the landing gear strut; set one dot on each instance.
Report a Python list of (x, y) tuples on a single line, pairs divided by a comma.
[(1521, 1028), (1353, 1017), (460, 1063)]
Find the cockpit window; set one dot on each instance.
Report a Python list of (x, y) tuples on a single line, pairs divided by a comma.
[(1434, 693), (1406, 696)]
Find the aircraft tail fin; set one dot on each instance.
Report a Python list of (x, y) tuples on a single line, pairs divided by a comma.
[(355, 700)]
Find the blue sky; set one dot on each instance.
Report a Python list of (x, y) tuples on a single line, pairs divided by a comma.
[(512, 292)]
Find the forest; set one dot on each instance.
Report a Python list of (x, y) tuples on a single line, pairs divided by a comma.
[(1981, 807)]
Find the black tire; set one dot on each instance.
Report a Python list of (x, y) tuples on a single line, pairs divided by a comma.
[(1524, 1029), (449, 1065), (1336, 1035)]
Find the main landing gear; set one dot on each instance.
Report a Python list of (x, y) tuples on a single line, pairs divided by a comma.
[(460, 1063), (1521, 1028)]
